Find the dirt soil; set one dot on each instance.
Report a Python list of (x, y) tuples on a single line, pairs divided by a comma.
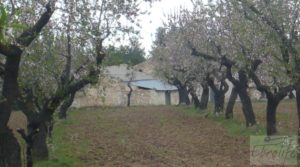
[(153, 137)]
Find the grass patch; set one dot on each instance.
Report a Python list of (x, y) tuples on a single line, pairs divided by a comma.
[(233, 126), (60, 150), (236, 127)]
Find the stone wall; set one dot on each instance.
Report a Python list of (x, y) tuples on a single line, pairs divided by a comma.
[(109, 93), (152, 97), (112, 92)]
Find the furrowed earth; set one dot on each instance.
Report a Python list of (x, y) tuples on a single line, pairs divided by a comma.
[(159, 136)]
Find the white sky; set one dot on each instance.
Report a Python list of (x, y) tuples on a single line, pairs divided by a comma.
[(158, 14)]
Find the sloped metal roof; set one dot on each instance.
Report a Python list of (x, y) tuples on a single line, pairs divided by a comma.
[(154, 84)]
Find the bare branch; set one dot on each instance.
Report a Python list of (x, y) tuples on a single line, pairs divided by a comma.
[(13, 8), (30, 34), (196, 53)]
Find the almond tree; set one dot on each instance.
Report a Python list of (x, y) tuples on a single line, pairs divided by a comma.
[(96, 21), (12, 48), (205, 36), (175, 63), (279, 19), (249, 45)]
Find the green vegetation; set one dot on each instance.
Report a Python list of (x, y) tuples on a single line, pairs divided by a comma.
[(286, 118), (131, 55), (234, 127), (61, 149)]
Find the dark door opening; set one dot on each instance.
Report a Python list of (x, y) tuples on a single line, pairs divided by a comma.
[(168, 97)]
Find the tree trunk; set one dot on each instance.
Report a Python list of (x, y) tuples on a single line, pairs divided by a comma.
[(129, 94), (65, 106), (241, 86), (272, 105), (9, 149), (39, 146), (247, 107), (183, 96), (222, 101), (36, 147), (297, 88), (9, 146), (219, 97), (204, 97), (195, 100), (231, 103)]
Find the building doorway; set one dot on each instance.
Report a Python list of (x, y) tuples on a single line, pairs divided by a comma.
[(168, 97)]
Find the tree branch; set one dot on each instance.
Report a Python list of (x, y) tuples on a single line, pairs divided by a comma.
[(272, 23), (226, 62), (30, 34), (71, 88), (224, 86), (8, 49), (229, 74), (196, 53), (210, 82), (260, 87), (284, 91), (13, 9)]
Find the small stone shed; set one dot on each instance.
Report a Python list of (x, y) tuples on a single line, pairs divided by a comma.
[(113, 89), (153, 92)]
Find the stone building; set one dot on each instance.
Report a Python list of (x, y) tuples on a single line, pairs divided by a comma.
[(113, 89)]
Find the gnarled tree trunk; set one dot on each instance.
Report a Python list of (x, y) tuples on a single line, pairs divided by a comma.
[(39, 148), (9, 146), (195, 100), (272, 105), (183, 95), (230, 105), (204, 97), (129, 94), (273, 97), (36, 136), (247, 107), (9, 149), (219, 93), (241, 86), (65, 106), (219, 101)]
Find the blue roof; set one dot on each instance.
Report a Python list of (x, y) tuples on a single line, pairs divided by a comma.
[(154, 84)]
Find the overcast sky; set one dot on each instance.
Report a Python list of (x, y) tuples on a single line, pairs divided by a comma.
[(158, 14)]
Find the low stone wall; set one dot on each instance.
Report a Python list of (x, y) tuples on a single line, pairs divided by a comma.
[(152, 97), (109, 93), (112, 92)]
